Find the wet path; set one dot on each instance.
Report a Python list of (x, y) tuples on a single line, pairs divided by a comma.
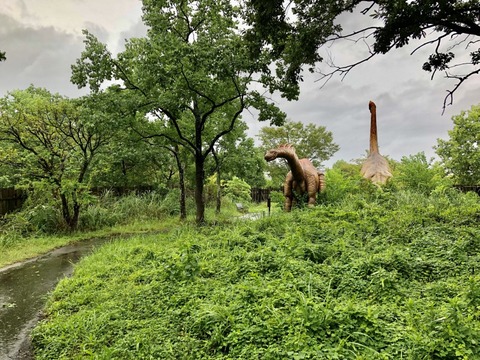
[(23, 291)]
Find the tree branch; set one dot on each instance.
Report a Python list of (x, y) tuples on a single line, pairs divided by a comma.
[(450, 93)]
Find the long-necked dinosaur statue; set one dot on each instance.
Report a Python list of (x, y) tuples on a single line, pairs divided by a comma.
[(302, 178), (375, 168)]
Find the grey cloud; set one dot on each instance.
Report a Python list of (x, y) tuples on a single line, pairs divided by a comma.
[(409, 104), (99, 31), (138, 30), (41, 57)]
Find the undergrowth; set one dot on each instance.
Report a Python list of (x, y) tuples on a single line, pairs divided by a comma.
[(391, 275)]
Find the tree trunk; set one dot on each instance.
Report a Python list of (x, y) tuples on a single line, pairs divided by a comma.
[(76, 214), (199, 179), (65, 209), (219, 193), (219, 188), (199, 167), (181, 175), (70, 219)]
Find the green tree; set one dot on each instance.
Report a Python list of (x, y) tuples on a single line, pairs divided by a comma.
[(310, 141), (460, 154), (452, 28), (52, 142), (3, 56), (191, 72), (415, 172), (142, 150), (236, 155), (247, 163)]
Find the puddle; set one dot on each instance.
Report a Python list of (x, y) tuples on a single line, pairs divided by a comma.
[(23, 292)]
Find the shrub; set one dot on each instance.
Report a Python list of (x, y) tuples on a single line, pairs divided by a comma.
[(238, 190), (416, 173)]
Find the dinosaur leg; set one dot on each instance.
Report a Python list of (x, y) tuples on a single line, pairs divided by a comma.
[(312, 198), (312, 186), (288, 192)]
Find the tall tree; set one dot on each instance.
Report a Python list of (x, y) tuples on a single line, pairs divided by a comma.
[(3, 56), (460, 154), (189, 71), (52, 141), (157, 135), (451, 28)]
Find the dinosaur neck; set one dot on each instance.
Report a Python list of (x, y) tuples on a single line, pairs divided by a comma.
[(295, 166), (373, 131)]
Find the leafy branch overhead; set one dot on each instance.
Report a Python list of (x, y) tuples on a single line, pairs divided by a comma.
[(450, 28)]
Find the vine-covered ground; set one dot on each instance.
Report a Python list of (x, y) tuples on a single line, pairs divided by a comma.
[(386, 276)]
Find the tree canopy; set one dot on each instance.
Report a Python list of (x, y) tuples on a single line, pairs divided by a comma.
[(3, 56), (460, 154), (296, 30), (310, 141)]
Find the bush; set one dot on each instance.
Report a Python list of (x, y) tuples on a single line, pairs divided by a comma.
[(238, 190), (414, 172)]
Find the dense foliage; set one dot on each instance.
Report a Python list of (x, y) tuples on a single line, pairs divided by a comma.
[(51, 142), (460, 154), (382, 275)]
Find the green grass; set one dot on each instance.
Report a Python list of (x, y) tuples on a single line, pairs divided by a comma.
[(388, 276)]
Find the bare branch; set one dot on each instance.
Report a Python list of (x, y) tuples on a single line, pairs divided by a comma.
[(436, 40), (450, 93), (342, 71), (352, 34)]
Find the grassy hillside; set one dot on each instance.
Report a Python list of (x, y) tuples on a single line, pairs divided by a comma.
[(388, 276)]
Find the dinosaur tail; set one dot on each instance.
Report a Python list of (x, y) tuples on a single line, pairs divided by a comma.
[(322, 185)]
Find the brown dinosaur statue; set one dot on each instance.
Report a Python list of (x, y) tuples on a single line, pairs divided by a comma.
[(302, 178), (375, 168)]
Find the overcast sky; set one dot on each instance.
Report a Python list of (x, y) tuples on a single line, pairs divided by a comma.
[(42, 38)]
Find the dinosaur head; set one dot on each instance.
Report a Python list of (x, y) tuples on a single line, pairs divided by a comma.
[(271, 155), (282, 151), (371, 106)]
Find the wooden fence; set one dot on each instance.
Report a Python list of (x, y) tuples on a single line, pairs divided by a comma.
[(465, 188), (11, 200), (261, 195)]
